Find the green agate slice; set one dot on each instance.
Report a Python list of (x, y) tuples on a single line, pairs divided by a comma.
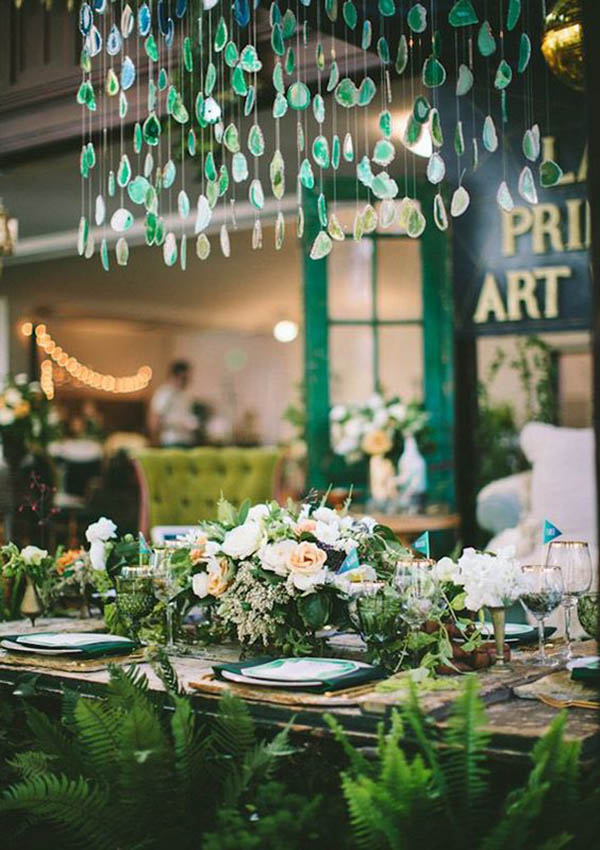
[(138, 138), (385, 123), (83, 164), (124, 171), (238, 81), (503, 75), (416, 222), (256, 141), (387, 7), (367, 35), (437, 137), (298, 95), (364, 172), (336, 150), (464, 81), (163, 80), (527, 188), (151, 129), (151, 225), (239, 168), (223, 183), (179, 111), (357, 227), (319, 108), (513, 14), (256, 194), (278, 82), (366, 92), (412, 132), (224, 241), (320, 57), (123, 105), (111, 85), (111, 184), (277, 44), (104, 255), (170, 249), (211, 111), (183, 204), (460, 202), (231, 54), (122, 251), (434, 73), (121, 220), (160, 232), (320, 151), (331, 9), (290, 61), (384, 152), (90, 155), (151, 48), (334, 76), (334, 228), (550, 173), (137, 189), (202, 247), (307, 177), (188, 60), (417, 18), (383, 186), (348, 148), (475, 155), (459, 139), (322, 210), (210, 79), (531, 143), (299, 136), (369, 219), (436, 169), (82, 235), (231, 138), (280, 105), (220, 35), (191, 142), (210, 169), (100, 210), (490, 137), (277, 175), (402, 55), (288, 24), (421, 109), (257, 235), (383, 51), (183, 253), (440, 216), (249, 103), (321, 247), (279, 231), (346, 94), (462, 14), (504, 198), (486, 43), (524, 53), (349, 14), (151, 199), (148, 164), (203, 214)]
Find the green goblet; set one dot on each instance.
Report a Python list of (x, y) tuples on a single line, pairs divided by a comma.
[(376, 616), (135, 597), (587, 611)]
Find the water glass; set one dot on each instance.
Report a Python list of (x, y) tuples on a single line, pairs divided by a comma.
[(543, 594), (164, 582), (573, 558)]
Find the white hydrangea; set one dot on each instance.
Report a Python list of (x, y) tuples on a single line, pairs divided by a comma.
[(244, 540), (489, 580)]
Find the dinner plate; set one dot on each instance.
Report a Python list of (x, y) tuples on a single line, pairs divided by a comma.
[(277, 683), (70, 640), (14, 646), (301, 670), (592, 661)]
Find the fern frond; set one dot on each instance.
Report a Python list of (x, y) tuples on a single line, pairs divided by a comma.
[(365, 814), (97, 728), (233, 729), (418, 723), (52, 740), (74, 805), (358, 763), (30, 763), (167, 673), (513, 831)]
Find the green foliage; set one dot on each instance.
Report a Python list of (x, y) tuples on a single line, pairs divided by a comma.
[(121, 772), (443, 797)]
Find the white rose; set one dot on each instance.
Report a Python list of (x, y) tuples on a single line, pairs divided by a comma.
[(304, 582), (446, 570), (328, 534), (353, 429), (6, 416), (12, 396), (380, 418), (326, 515), (98, 555), (375, 401), (398, 411), (243, 541), (346, 446), (33, 556), (104, 529), (337, 412), (21, 379), (275, 556), (200, 584), (258, 512)]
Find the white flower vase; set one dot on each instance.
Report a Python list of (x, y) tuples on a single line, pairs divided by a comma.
[(412, 476), (381, 481), (30, 605)]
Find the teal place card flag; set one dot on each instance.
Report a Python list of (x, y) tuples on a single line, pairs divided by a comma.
[(421, 544), (551, 532), (350, 562), (144, 547)]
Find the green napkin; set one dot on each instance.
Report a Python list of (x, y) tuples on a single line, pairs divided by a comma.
[(119, 646), (589, 673), (347, 680)]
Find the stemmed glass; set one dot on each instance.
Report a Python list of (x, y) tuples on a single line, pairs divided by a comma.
[(166, 588), (420, 597), (543, 594), (573, 558)]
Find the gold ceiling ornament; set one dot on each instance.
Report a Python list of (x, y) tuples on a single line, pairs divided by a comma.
[(562, 42), (8, 233)]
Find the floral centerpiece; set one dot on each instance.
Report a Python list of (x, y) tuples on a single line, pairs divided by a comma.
[(275, 576), (26, 579), (27, 418)]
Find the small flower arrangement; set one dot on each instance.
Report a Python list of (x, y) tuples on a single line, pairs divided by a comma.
[(275, 576), (26, 415), (374, 428), (487, 580), (73, 570), (27, 564)]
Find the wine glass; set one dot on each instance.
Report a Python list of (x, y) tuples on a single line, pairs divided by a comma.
[(419, 593), (543, 594), (164, 582), (573, 558), (375, 615)]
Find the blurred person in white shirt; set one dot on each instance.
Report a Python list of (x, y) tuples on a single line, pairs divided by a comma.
[(171, 419)]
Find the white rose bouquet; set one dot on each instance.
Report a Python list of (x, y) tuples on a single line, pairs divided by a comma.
[(374, 428), (275, 576), (489, 580)]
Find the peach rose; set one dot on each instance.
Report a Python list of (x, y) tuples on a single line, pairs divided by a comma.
[(305, 526), (306, 559), (218, 578), (22, 409), (198, 548), (376, 443)]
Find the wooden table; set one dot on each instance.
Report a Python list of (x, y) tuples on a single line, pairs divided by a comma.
[(515, 724), (410, 526)]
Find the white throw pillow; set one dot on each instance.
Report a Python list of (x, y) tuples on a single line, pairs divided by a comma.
[(563, 483)]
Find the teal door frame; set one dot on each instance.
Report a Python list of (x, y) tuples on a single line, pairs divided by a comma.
[(438, 349)]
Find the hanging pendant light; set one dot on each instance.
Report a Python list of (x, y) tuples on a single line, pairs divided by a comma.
[(562, 42)]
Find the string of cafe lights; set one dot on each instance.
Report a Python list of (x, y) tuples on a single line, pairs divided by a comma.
[(79, 371)]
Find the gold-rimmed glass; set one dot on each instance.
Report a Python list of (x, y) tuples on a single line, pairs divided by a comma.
[(573, 558), (543, 594)]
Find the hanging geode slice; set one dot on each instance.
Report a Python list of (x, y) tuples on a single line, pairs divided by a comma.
[(415, 222), (462, 14), (349, 14), (256, 194), (524, 53), (366, 35), (366, 92), (531, 143), (436, 169), (440, 216), (277, 175), (550, 173), (513, 14), (280, 105), (421, 109), (256, 141), (348, 148), (319, 108), (527, 188), (121, 220), (320, 151), (334, 228), (322, 210), (434, 73), (401, 55), (170, 249), (417, 18), (385, 123), (336, 150), (239, 168), (460, 202), (298, 95), (231, 138), (503, 75), (490, 137), (307, 177), (151, 129), (334, 76), (464, 82), (346, 94), (486, 42), (321, 247), (504, 198)]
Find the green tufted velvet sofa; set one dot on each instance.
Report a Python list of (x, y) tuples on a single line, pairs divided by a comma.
[(182, 486)]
